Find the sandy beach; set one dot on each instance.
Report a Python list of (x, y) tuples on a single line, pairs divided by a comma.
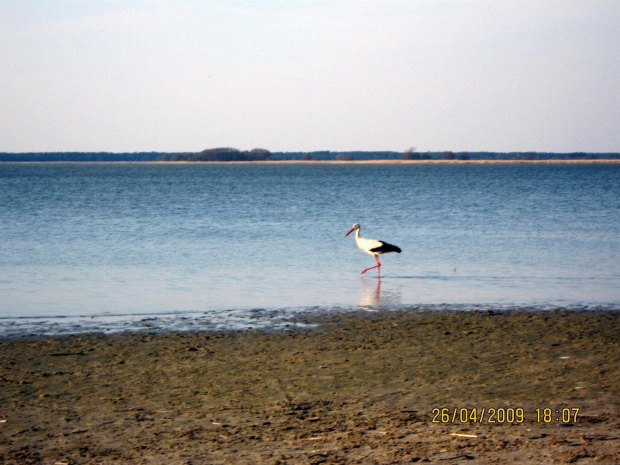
[(385, 388), (400, 161)]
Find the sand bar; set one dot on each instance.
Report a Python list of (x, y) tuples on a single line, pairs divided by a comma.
[(338, 162)]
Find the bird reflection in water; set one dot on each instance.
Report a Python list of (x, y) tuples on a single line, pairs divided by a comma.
[(372, 298)]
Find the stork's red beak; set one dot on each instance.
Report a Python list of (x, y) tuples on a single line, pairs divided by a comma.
[(350, 231)]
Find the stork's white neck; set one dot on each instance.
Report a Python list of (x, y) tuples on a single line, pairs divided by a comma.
[(357, 236)]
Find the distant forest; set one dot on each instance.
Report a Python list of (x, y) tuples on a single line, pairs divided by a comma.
[(232, 154)]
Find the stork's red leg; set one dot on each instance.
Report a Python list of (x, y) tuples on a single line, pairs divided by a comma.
[(378, 265)]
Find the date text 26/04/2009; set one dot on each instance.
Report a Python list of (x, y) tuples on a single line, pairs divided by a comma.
[(500, 415)]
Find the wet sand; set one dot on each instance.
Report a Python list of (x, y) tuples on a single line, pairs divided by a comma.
[(358, 388)]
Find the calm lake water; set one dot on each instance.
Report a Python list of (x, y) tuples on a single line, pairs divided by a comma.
[(123, 246)]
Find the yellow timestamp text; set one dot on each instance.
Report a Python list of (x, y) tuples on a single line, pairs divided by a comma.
[(500, 415)]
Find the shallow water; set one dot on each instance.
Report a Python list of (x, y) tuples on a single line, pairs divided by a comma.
[(219, 245)]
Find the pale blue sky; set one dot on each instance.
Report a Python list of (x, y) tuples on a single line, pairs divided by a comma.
[(173, 75)]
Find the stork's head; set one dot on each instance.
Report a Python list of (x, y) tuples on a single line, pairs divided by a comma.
[(355, 226)]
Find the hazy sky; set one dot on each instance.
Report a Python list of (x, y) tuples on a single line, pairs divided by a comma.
[(182, 75)]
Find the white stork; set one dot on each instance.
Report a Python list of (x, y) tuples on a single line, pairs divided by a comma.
[(372, 246)]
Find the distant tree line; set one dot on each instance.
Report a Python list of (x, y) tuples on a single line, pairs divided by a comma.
[(258, 154), (81, 156), (411, 154), (224, 154)]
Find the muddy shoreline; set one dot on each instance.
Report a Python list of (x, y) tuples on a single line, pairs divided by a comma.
[(356, 389)]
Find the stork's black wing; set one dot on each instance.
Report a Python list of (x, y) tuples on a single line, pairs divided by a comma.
[(385, 248)]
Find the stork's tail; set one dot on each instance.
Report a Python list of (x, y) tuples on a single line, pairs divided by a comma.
[(392, 248)]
